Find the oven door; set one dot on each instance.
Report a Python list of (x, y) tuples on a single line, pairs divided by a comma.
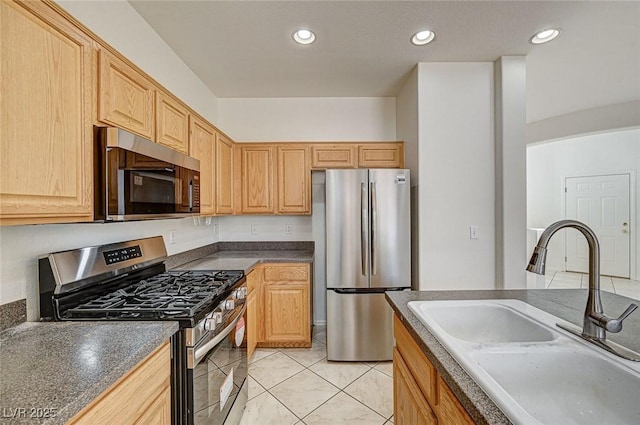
[(216, 375)]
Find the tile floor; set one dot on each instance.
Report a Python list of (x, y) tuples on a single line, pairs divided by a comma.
[(568, 280), (291, 386)]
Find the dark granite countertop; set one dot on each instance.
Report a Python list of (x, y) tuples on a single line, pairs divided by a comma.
[(63, 366), (568, 304), (247, 260)]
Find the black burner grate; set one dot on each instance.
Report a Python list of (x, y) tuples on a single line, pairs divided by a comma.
[(173, 294)]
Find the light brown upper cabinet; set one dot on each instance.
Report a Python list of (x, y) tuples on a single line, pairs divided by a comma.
[(381, 155), (125, 97), (46, 132), (357, 155), (202, 143), (256, 179), (172, 122), (224, 175), (326, 155), (294, 180)]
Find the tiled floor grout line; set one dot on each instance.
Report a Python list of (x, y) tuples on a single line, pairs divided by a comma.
[(385, 420), (307, 367)]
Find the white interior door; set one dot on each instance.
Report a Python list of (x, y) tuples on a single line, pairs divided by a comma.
[(602, 203)]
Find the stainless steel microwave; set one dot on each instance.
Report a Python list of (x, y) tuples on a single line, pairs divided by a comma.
[(137, 179)]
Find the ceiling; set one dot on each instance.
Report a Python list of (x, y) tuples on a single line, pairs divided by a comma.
[(362, 49)]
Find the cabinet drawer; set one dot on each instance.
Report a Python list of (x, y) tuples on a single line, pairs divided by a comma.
[(416, 361), (286, 272), (381, 155), (333, 156)]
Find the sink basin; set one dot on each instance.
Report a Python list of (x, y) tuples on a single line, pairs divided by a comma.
[(553, 383), (483, 322), (535, 372)]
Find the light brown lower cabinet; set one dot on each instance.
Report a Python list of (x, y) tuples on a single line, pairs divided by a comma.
[(420, 395), (142, 396), (252, 319), (283, 305)]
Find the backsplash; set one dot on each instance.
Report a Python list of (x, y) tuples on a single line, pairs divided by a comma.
[(21, 246), (12, 314)]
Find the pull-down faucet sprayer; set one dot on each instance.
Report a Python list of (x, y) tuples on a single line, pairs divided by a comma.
[(595, 322)]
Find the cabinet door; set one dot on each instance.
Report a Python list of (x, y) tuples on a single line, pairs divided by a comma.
[(46, 127), (252, 311), (172, 123), (325, 156), (381, 155), (201, 146), (409, 405), (224, 175), (252, 323), (287, 315), (135, 395), (294, 185), (125, 97), (256, 179), (450, 411), (159, 413)]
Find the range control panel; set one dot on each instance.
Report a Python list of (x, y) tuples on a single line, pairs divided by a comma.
[(123, 254)]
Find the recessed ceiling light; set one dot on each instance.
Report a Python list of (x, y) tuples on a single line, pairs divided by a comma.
[(423, 37), (304, 36), (545, 36)]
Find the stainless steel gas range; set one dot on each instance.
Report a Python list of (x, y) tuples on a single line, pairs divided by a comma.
[(129, 281)]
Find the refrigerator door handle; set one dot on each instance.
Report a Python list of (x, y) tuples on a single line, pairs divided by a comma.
[(363, 228), (374, 229)]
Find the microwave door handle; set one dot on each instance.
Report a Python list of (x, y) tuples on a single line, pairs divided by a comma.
[(190, 195)]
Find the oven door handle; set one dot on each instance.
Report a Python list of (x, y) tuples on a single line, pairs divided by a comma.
[(196, 355)]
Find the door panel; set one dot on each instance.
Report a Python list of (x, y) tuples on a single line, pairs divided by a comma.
[(602, 203), (347, 240), (359, 327), (390, 228)]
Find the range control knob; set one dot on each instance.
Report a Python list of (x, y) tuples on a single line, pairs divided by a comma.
[(229, 304), (209, 324), (240, 293), (217, 316)]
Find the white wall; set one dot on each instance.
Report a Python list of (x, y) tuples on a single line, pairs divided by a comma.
[(20, 247), (549, 164), (309, 119), (407, 129), (510, 165), (120, 25), (456, 184)]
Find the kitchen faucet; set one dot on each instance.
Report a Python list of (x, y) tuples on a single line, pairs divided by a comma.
[(595, 322)]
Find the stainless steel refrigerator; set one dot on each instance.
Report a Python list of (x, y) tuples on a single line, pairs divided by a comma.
[(368, 252)]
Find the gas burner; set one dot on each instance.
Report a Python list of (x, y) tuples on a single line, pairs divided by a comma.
[(172, 294)]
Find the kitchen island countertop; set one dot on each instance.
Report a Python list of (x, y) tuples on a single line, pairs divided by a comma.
[(568, 304), (55, 369)]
